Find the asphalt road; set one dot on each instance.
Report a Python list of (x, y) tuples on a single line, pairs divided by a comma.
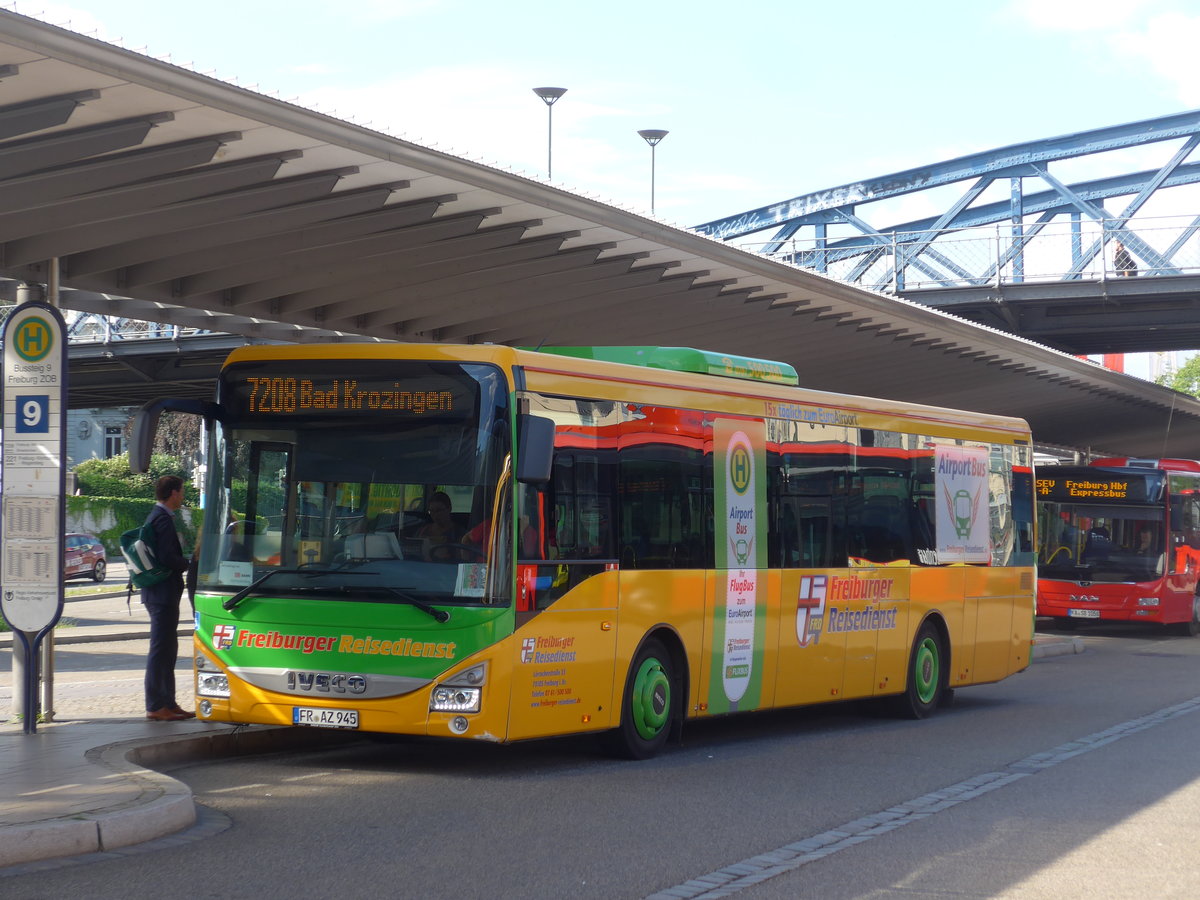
[(1073, 779)]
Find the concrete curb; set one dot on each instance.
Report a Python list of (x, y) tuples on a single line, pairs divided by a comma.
[(44, 840), (1057, 646), (165, 805)]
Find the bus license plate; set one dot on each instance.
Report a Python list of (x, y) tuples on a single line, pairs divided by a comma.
[(325, 718), (1083, 613)]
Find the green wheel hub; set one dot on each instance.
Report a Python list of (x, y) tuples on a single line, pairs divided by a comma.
[(927, 670), (650, 703)]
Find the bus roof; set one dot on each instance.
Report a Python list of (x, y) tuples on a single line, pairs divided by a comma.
[(686, 359), (1130, 462)]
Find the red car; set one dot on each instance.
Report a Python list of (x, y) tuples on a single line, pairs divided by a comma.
[(84, 556)]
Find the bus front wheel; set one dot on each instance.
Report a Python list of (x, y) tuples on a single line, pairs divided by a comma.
[(1192, 628), (926, 681), (648, 707)]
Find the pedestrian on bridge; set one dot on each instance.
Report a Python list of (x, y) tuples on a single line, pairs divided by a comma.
[(1123, 261)]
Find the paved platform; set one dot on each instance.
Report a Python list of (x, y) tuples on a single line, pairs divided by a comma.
[(89, 784)]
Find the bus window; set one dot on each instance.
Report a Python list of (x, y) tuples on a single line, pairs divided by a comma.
[(1185, 512), (879, 507), (1022, 503), (806, 493), (877, 521), (660, 508)]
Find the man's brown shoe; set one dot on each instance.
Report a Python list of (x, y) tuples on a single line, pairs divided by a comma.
[(166, 714), (187, 714)]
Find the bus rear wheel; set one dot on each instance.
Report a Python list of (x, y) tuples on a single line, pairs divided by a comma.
[(926, 681), (649, 705)]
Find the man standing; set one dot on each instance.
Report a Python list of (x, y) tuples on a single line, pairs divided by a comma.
[(162, 603)]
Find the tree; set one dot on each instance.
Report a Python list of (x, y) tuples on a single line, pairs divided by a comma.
[(1186, 380), (178, 434)]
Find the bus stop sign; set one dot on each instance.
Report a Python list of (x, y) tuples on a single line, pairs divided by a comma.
[(34, 394)]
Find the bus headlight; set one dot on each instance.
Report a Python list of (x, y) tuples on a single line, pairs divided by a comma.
[(462, 693), (455, 699), (1147, 601), (210, 680), (212, 684)]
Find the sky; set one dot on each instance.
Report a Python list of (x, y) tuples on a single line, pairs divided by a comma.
[(762, 102)]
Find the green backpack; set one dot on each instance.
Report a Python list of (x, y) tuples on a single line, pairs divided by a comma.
[(137, 546)]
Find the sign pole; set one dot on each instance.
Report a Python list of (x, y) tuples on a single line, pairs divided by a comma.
[(29, 688), (33, 398)]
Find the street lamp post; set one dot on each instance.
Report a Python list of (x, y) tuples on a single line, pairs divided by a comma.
[(549, 95), (652, 136)]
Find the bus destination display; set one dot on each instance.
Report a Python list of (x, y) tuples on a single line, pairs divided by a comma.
[(269, 394), (1098, 486)]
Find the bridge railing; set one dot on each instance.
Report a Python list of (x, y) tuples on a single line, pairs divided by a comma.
[(996, 254), (93, 328)]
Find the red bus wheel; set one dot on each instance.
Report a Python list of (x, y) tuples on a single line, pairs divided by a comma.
[(1192, 628)]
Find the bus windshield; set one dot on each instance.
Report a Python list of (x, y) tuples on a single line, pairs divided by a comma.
[(369, 481), (1101, 542)]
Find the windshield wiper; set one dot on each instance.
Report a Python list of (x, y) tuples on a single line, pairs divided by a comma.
[(438, 614), (254, 585), (309, 570)]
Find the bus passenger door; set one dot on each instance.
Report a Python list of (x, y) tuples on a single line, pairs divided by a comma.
[(563, 672)]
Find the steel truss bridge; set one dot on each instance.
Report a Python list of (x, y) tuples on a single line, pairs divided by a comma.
[(1018, 247)]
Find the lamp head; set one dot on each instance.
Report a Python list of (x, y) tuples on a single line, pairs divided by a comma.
[(653, 135), (549, 94)]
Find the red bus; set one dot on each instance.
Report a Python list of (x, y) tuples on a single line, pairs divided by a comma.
[(1119, 540)]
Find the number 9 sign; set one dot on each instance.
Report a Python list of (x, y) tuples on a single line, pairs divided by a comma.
[(33, 413)]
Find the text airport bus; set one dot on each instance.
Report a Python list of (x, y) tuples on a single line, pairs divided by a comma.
[(684, 536), (1120, 541)]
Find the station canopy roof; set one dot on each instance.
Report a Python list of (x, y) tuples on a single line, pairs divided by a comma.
[(170, 196)]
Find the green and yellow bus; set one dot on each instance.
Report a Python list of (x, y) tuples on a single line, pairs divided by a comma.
[(497, 544)]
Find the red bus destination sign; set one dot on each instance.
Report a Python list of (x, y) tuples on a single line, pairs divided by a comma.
[(1098, 486)]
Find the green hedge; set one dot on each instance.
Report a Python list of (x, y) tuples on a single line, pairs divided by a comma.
[(111, 477), (128, 513)]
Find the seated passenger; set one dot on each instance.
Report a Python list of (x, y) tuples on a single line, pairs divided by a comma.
[(441, 529)]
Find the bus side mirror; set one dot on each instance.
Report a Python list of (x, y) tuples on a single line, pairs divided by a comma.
[(535, 448), (145, 424)]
